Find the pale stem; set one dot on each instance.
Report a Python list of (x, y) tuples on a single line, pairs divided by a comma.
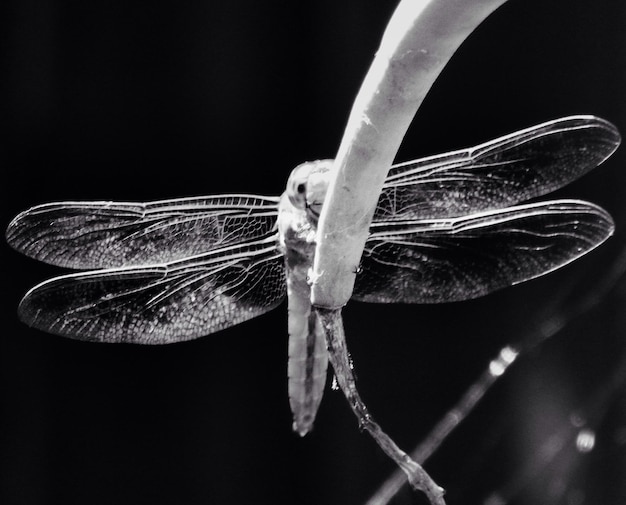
[(338, 355), (420, 39)]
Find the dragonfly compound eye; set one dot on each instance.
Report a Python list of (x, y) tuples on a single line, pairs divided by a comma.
[(307, 185), (297, 185)]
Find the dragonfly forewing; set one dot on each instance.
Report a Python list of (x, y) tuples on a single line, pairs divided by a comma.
[(90, 235), (162, 303), (498, 173), (446, 260)]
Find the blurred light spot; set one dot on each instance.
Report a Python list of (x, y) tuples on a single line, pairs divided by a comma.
[(499, 365), (586, 440), (496, 368), (509, 354)]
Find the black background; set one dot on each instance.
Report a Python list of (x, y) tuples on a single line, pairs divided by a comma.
[(150, 100)]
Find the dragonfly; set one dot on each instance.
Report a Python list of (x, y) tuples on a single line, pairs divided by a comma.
[(446, 228)]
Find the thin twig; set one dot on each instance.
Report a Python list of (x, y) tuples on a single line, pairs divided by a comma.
[(338, 354)]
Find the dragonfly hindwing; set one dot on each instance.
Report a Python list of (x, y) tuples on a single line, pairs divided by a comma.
[(161, 304), (433, 261)]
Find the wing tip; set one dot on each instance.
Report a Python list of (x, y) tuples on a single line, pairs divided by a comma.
[(607, 133), (19, 233), (12, 231), (602, 133)]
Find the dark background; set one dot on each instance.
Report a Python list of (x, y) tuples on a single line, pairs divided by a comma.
[(127, 100)]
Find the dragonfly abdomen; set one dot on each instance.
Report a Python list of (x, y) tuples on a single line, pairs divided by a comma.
[(308, 357)]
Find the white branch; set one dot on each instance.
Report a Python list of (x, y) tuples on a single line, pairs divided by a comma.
[(420, 39)]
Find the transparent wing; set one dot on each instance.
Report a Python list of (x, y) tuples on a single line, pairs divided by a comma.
[(91, 235), (161, 304), (499, 173), (438, 260)]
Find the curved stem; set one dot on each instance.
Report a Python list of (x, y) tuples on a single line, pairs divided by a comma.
[(419, 41)]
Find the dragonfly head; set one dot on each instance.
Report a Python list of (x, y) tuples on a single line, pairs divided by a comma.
[(307, 186)]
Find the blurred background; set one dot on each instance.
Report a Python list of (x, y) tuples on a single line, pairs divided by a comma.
[(150, 100)]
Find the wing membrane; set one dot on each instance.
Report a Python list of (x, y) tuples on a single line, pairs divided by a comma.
[(164, 303), (91, 235), (499, 173), (433, 261)]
